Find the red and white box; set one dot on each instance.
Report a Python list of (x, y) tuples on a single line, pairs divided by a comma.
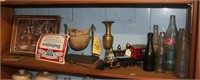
[(52, 48)]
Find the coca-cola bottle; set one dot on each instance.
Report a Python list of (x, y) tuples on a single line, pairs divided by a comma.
[(182, 55), (170, 40), (149, 55)]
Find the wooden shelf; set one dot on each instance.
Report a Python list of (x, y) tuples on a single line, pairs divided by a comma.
[(43, 2), (129, 72), (135, 72)]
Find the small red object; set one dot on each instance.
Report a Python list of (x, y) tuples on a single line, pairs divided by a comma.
[(137, 51)]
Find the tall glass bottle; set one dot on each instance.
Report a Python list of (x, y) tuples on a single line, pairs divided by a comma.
[(177, 47), (182, 56), (155, 37), (160, 58), (149, 56), (170, 40)]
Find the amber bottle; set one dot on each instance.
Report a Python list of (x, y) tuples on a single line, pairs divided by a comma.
[(149, 56)]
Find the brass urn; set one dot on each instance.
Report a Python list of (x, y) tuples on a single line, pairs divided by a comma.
[(107, 38)]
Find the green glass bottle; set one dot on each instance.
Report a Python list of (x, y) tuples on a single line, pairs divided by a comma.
[(170, 41), (149, 55)]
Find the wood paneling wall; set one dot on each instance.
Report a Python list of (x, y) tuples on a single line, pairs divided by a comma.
[(6, 28), (197, 75)]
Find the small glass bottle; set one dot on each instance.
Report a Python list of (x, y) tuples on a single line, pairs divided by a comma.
[(182, 56), (170, 40), (155, 37), (160, 58), (149, 56)]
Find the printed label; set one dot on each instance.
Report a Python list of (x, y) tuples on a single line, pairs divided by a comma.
[(52, 48), (96, 49), (52, 42), (169, 41)]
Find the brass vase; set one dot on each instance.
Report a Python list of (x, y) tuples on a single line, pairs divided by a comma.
[(107, 38)]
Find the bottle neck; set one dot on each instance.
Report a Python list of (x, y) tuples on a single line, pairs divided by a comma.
[(184, 35), (149, 47), (172, 21), (150, 40), (155, 29), (172, 29), (181, 30), (161, 39)]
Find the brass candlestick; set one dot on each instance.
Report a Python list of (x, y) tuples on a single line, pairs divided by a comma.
[(107, 38)]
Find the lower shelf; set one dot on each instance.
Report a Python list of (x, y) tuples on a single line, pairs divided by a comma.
[(129, 72)]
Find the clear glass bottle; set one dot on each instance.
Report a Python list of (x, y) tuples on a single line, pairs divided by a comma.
[(176, 47), (182, 56), (170, 40), (155, 37), (160, 59), (149, 56)]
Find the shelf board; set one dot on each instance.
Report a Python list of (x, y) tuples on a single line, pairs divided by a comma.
[(65, 4), (39, 2), (135, 72), (96, 3)]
